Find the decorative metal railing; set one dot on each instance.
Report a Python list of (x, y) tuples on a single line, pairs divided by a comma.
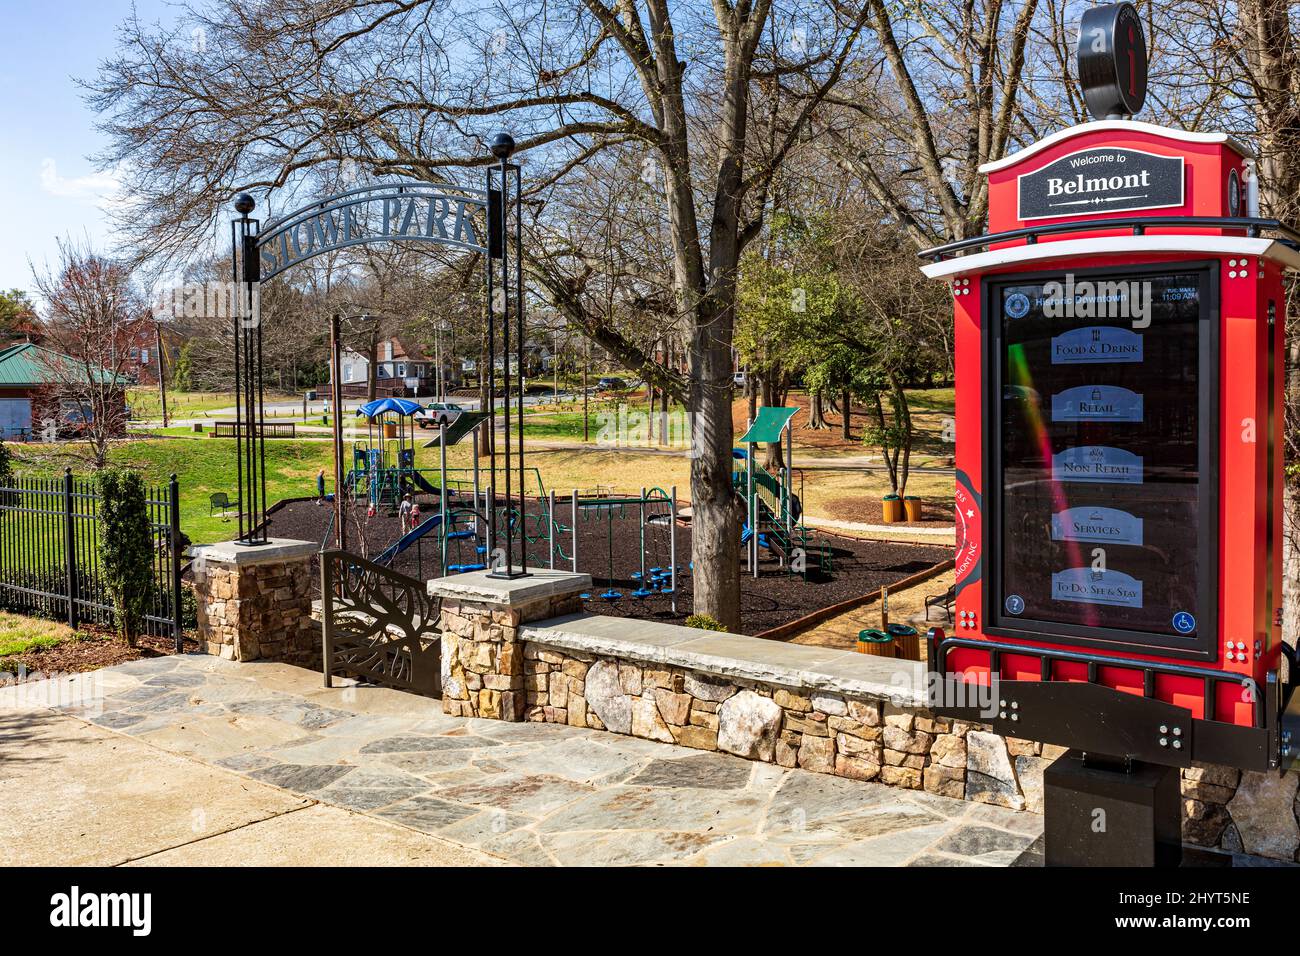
[(378, 626)]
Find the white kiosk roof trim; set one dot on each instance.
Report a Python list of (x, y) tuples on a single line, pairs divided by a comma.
[(1112, 245), (1102, 126)]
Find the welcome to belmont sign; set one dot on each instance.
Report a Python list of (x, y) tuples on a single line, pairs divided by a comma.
[(1108, 179), (444, 215)]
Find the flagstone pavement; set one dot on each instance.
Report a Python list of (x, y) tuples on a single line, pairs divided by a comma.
[(267, 766)]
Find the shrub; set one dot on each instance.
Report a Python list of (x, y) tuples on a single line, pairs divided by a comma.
[(704, 623), (7, 498), (126, 548)]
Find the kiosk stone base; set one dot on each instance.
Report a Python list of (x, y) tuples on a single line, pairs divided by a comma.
[(1104, 815)]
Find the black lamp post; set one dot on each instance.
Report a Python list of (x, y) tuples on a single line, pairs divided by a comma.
[(502, 147), (249, 405)]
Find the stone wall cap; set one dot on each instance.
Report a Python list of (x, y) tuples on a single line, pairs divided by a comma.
[(735, 656), (246, 555), (478, 586)]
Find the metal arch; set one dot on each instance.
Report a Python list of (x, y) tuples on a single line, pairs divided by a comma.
[(332, 223), (413, 212)]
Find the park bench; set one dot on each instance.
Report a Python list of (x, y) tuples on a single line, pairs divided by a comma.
[(944, 601)]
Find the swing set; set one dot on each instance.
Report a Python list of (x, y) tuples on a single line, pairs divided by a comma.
[(655, 512)]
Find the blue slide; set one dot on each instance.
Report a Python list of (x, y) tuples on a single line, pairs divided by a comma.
[(408, 539), (423, 484)]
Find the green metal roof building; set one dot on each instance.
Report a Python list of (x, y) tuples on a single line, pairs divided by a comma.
[(25, 368)]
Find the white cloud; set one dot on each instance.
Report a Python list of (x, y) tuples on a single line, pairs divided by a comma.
[(101, 188)]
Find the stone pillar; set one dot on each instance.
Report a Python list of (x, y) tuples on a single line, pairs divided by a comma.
[(482, 654), (254, 601)]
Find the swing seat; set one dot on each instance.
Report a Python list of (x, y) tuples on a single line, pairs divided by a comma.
[(459, 535), (611, 595)]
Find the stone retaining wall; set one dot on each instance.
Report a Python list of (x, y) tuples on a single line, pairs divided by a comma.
[(861, 738), (871, 739), (853, 715)]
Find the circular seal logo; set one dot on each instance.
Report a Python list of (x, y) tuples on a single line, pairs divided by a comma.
[(1184, 623), (1015, 604), (969, 532), (1017, 305)]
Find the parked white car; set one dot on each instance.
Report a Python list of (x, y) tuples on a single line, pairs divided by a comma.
[(437, 413)]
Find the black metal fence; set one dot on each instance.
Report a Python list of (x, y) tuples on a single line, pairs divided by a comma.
[(49, 554)]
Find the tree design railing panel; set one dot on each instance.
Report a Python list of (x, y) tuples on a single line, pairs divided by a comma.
[(378, 626)]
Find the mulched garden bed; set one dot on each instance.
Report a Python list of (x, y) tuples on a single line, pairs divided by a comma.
[(774, 598), (87, 652)]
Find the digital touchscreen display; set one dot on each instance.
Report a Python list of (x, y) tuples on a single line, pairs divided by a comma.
[(1100, 460)]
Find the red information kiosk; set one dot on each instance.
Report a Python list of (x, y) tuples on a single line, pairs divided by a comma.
[(1119, 364)]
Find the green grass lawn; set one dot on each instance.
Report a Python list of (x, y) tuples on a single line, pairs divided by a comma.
[(203, 466), (565, 424), (206, 465), (18, 634), (144, 402)]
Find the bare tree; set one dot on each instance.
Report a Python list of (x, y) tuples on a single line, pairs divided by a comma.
[(411, 89), (94, 316)]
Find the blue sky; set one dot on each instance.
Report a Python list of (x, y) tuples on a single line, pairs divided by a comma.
[(48, 186)]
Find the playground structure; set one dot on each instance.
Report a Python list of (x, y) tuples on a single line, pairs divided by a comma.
[(773, 512), (383, 472), (383, 466)]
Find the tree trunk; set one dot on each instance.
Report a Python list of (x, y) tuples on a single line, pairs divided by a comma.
[(775, 458), (891, 462), (716, 511), (904, 415), (816, 412), (846, 406)]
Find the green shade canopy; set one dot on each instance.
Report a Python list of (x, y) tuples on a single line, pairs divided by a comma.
[(769, 424), (464, 424)]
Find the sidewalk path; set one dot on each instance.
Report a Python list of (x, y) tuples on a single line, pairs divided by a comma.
[(183, 759)]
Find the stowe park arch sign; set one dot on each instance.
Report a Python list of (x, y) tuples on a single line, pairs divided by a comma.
[(470, 219), (445, 215)]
